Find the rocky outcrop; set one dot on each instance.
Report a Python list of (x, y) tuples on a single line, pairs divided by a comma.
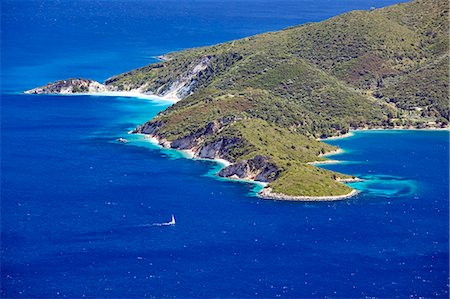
[(149, 128), (219, 148), (193, 140), (177, 76), (184, 143), (122, 140), (69, 86), (184, 85), (258, 168), (176, 85), (175, 80)]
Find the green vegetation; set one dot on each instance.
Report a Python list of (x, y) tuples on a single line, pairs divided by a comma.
[(280, 144), (301, 180), (80, 89), (280, 91), (290, 152), (422, 89)]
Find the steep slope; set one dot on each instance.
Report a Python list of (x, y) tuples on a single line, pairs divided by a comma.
[(367, 50), (421, 91), (261, 102)]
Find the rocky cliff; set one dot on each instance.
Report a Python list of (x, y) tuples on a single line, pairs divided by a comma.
[(70, 86)]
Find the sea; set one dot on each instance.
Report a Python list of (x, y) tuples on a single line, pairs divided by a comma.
[(77, 207)]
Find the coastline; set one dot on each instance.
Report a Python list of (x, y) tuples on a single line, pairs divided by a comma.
[(190, 154), (346, 135), (267, 193), (328, 161), (401, 128), (125, 94), (351, 132), (325, 162), (131, 94), (338, 151), (162, 58), (171, 97)]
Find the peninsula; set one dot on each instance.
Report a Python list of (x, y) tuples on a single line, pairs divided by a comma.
[(263, 102)]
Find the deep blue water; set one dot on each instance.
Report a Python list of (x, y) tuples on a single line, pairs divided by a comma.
[(75, 204)]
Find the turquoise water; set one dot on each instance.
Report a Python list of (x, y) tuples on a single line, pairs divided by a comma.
[(365, 152), (77, 206)]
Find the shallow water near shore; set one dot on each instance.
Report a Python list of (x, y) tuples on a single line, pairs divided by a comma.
[(76, 204)]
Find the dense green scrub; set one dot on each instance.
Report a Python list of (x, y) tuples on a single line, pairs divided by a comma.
[(280, 91)]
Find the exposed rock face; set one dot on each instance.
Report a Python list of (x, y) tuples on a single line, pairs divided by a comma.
[(122, 140), (185, 84), (177, 84), (69, 86), (149, 128), (258, 168), (175, 87), (202, 141), (187, 142), (175, 78), (219, 148)]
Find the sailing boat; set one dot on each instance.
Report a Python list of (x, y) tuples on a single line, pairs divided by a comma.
[(171, 222)]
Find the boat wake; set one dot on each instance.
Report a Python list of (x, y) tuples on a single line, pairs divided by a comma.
[(171, 222)]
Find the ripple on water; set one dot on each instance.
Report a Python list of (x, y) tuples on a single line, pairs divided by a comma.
[(385, 186)]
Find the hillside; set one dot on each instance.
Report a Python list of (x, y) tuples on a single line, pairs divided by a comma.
[(260, 102)]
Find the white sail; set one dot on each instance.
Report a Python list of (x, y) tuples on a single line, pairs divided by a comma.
[(171, 222)]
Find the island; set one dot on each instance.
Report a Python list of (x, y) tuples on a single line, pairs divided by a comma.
[(264, 102)]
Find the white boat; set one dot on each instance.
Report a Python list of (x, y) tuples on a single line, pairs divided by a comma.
[(171, 222)]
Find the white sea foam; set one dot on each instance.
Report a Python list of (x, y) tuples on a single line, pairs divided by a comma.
[(132, 94)]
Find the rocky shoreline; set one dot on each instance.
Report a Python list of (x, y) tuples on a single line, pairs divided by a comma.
[(174, 89), (256, 170), (201, 145), (267, 193), (71, 86)]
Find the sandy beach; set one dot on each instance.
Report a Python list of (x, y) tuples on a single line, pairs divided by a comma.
[(131, 94), (326, 162)]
